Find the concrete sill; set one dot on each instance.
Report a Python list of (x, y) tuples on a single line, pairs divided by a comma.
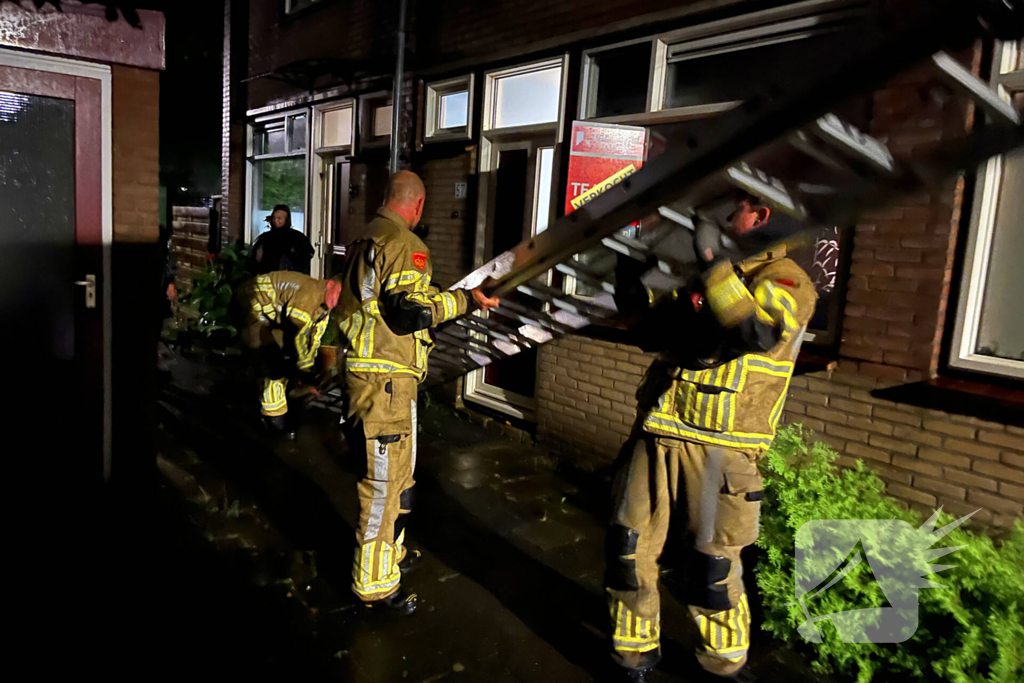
[(991, 402)]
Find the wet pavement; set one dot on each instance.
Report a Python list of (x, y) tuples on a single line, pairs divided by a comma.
[(256, 549)]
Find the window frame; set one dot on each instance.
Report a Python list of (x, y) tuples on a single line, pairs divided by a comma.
[(1008, 81), (435, 91), (491, 93), (367, 107), (763, 23), (255, 127), (319, 115)]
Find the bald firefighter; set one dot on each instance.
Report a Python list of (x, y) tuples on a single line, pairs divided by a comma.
[(287, 316), (708, 409), (387, 309)]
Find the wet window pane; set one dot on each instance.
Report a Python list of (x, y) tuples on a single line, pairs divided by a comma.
[(270, 142), (382, 121), (37, 219), (1001, 333), (338, 127), (278, 181), (528, 98), (298, 136), (618, 81), (734, 75), (454, 110)]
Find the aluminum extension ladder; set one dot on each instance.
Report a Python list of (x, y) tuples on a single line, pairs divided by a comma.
[(848, 173)]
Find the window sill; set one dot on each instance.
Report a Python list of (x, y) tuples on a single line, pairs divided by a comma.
[(962, 397)]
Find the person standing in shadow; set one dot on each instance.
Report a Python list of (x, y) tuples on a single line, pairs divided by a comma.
[(281, 247)]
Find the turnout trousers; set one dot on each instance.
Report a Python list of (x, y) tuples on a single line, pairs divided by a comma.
[(381, 431), (712, 497)]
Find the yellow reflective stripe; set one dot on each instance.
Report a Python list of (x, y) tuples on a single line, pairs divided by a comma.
[(405, 277), (773, 417), (779, 303), (768, 366), (672, 424)]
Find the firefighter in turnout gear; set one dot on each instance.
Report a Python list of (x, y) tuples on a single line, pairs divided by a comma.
[(287, 314), (386, 311), (708, 409)]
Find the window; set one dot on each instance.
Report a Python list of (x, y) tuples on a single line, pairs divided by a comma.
[(277, 170), (336, 129), (293, 6), (449, 109), (524, 96), (615, 81), (375, 120), (989, 332)]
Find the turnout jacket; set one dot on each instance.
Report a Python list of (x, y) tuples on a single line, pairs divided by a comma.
[(722, 376), (285, 298), (387, 303)]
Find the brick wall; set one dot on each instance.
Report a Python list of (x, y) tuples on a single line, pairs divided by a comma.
[(135, 97), (585, 394), (927, 457), (452, 221)]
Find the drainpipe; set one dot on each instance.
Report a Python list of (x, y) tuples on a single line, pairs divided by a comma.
[(396, 107)]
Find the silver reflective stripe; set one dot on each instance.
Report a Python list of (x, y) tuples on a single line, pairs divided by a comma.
[(380, 495), (769, 364), (369, 286), (380, 461), (368, 336), (726, 413), (797, 342), (413, 436)]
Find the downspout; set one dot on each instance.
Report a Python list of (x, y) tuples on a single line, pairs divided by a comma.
[(396, 89)]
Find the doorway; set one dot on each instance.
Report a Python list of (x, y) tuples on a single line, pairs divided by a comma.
[(55, 235)]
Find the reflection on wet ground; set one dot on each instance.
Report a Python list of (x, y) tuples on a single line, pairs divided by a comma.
[(256, 539)]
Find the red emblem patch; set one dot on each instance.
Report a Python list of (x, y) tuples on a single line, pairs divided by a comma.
[(419, 259), (786, 281)]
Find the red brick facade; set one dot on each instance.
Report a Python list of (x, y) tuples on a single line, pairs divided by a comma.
[(135, 98)]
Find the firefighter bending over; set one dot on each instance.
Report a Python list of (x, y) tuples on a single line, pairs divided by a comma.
[(387, 309), (708, 409), (287, 315)]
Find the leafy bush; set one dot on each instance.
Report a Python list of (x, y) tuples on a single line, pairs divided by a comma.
[(213, 293), (971, 630)]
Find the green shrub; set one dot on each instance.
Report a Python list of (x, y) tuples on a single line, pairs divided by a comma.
[(213, 294), (971, 630)]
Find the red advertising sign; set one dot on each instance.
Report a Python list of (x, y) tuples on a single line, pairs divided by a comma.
[(601, 155)]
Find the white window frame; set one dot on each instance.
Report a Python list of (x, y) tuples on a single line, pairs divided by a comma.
[(1008, 81), (531, 137), (491, 92), (322, 167), (753, 25), (251, 159), (437, 90), (368, 105)]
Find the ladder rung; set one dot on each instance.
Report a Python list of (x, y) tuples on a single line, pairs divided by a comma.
[(966, 83), (494, 330), (836, 132), (676, 217), (585, 275), (770, 190), (469, 345), (557, 297)]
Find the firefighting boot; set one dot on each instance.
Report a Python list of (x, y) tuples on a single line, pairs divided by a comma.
[(279, 425), (399, 603), (638, 675), (408, 563)]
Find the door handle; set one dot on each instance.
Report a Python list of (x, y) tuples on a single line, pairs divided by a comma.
[(90, 290)]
